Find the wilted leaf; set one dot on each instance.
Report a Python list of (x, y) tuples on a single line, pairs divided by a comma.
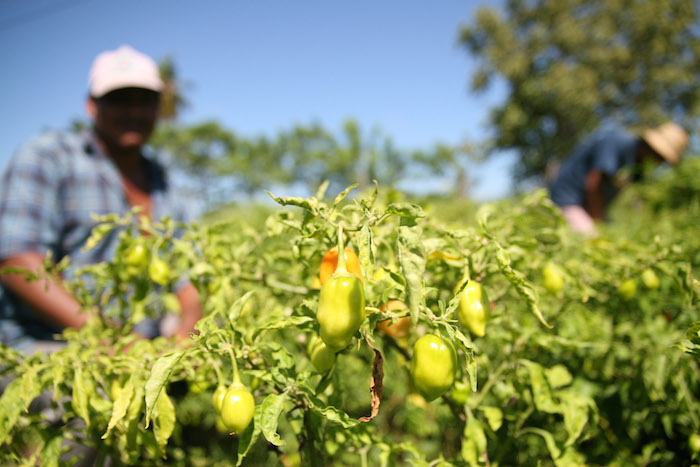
[(376, 384)]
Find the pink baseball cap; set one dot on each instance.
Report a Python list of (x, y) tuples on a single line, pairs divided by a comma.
[(123, 68)]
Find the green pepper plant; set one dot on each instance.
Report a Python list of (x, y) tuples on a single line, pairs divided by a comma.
[(560, 369)]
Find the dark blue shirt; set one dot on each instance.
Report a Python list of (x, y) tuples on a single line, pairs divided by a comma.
[(48, 193), (608, 150)]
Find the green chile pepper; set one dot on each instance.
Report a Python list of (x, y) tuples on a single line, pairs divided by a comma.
[(460, 392), (650, 279), (321, 356), (237, 408), (199, 385), (433, 366), (628, 289), (159, 272), (552, 278), (136, 257), (341, 304), (694, 442), (218, 398), (474, 308), (220, 427), (341, 309)]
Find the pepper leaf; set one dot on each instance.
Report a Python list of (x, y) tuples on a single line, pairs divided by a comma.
[(270, 411), (160, 373)]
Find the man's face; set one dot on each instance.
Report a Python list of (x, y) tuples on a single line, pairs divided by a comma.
[(125, 118)]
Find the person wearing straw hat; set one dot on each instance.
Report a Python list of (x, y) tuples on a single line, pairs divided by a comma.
[(58, 180), (586, 181)]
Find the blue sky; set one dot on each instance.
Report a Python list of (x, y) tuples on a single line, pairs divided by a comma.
[(259, 67)]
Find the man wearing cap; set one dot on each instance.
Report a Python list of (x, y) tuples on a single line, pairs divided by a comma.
[(586, 182), (57, 181)]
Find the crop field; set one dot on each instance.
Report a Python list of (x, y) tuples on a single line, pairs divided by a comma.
[(449, 333)]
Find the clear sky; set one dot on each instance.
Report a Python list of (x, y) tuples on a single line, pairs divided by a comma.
[(259, 67)]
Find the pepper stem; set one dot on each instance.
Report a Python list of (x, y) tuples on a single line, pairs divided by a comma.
[(236, 376), (341, 250), (466, 277)]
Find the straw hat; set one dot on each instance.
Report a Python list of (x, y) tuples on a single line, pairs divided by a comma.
[(668, 141)]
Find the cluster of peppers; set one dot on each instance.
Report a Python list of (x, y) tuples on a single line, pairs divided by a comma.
[(341, 311), (137, 259)]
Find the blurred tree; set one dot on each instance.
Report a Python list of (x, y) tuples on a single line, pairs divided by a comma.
[(351, 157), (569, 65), (313, 154), (199, 153), (221, 164), (77, 125), (171, 98)]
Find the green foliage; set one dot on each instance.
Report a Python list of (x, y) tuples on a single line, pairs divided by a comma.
[(172, 101), (571, 64), (302, 156), (669, 194), (571, 376)]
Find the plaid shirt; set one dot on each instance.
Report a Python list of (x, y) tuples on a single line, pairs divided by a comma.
[(48, 192)]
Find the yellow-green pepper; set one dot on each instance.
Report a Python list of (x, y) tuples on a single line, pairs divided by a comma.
[(341, 309), (474, 308), (433, 366), (321, 356)]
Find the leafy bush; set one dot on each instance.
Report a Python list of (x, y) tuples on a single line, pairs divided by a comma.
[(582, 374)]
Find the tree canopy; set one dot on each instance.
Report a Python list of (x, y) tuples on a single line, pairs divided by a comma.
[(172, 100), (570, 65), (216, 158)]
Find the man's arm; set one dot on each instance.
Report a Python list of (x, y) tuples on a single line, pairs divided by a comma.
[(594, 202), (56, 306)]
